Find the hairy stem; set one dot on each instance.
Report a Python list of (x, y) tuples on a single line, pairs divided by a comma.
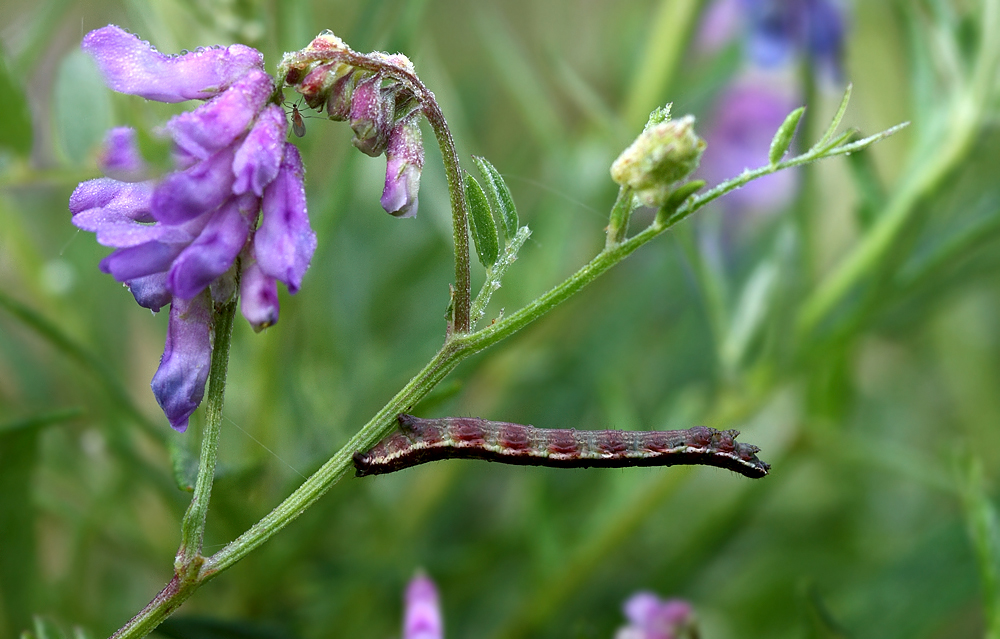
[(189, 562)]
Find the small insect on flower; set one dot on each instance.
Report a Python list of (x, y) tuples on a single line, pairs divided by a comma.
[(298, 124)]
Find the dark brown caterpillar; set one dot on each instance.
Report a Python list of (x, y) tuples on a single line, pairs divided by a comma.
[(424, 440)]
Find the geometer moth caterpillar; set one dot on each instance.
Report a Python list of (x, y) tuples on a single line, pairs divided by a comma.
[(424, 440)]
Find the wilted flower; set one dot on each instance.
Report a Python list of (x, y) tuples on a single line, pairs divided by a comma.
[(382, 111), (178, 238), (422, 616), (739, 134), (653, 618)]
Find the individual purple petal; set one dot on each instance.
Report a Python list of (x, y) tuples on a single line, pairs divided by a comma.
[(119, 157), (371, 116), (422, 617), (739, 134), (179, 382), (258, 296), (197, 190), (258, 159), (214, 251), (215, 125), (284, 243), (119, 231), (150, 291), (404, 162), (140, 260), (130, 65), (130, 199)]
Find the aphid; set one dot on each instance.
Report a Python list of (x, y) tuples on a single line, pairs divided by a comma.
[(424, 440), (298, 124)]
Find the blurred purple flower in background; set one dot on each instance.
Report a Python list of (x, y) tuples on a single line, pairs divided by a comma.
[(650, 617), (776, 35), (778, 31), (741, 126), (176, 239), (422, 614)]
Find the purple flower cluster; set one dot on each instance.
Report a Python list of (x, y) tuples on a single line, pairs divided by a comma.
[(776, 33), (236, 197), (779, 31), (653, 618), (382, 112)]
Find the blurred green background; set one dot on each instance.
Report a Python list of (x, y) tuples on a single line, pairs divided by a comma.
[(881, 420)]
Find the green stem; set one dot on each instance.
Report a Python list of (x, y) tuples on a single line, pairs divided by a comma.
[(193, 524), (189, 562)]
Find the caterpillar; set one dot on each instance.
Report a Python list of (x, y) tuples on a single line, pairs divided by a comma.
[(418, 441)]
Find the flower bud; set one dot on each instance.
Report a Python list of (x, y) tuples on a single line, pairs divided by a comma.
[(317, 84), (338, 102), (404, 163), (372, 112), (662, 155)]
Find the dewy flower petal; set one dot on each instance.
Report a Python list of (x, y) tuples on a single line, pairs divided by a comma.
[(214, 251), (285, 243), (140, 260), (404, 163), (129, 199), (258, 296), (213, 126), (179, 382), (119, 156), (259, 157), (132, 66), (422, 618), (197, 190), (150, 291), (371, 116)]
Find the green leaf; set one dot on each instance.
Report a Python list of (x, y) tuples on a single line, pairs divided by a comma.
[(499, 196), (15, 133), (183, 462), (82, 106), (835, 122), (783, 138), (484, 229), (984, 530)]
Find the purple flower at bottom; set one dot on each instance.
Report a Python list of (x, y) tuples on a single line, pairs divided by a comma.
[(653, 618), (739, 134), (177, 239), (422, 616)]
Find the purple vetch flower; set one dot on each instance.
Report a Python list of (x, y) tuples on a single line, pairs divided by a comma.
[(778, 31), (422, 616), (383, 112), (119, 156), (739, 135), (177, 239), (404, 163), (650, 617)]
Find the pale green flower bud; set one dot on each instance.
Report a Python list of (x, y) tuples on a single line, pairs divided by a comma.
[(661, 156)]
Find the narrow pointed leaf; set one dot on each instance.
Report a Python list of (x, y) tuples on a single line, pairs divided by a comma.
[(835, 122), (484, 229), (783, 138), (499, 196)]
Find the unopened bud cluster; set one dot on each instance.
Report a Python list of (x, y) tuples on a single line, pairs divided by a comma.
[(382, 111), (665, 153)]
